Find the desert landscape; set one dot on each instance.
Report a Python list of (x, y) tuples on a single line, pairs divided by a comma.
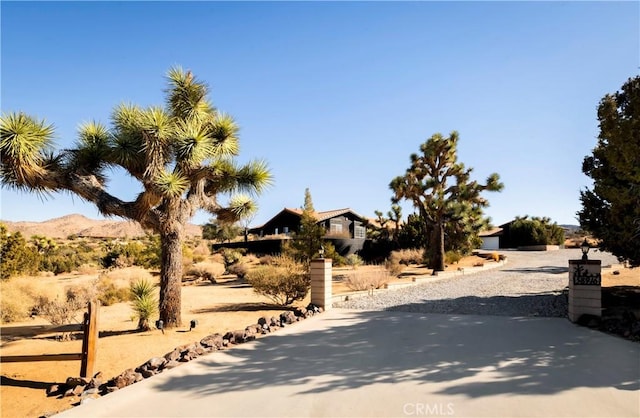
[(227, 303)]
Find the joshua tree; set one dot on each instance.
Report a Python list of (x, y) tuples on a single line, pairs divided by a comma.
[(440, 188), (180, 153)]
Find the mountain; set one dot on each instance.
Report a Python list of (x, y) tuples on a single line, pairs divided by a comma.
[(84, 227)]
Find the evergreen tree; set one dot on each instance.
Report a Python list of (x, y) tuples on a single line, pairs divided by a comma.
[(308, 239), (611, 210)]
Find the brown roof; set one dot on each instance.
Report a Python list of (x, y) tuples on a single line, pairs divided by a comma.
[(327, 214), (495, 232)]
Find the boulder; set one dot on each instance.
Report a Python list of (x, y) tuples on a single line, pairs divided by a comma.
[(72, 382), (155, 363), (173, 355), (287, 317), (300, 312), (213, 341)]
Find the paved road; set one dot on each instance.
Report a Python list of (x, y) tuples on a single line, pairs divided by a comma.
[(356, 363)]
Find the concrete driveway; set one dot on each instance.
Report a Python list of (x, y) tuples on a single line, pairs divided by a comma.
[(347, 363)]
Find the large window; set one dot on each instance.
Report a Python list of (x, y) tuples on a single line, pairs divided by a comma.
[(360, 232), (335, 227)]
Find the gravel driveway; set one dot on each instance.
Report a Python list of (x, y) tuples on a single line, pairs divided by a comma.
[(530, 284)]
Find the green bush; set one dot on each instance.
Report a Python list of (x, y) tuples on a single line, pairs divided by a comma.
[(231, 256), (109, 292), (330, 252), (284, 281), (16, 256), (354, 260), (535, 231), (452, 257)]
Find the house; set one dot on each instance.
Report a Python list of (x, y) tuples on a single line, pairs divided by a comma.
[(344, 227), (497, 238), (491, 239)]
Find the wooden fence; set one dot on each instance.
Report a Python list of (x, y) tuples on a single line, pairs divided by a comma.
[(89, 328)]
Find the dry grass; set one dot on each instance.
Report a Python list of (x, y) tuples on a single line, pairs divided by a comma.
[(206, 270), (20, 295), (367, 280)]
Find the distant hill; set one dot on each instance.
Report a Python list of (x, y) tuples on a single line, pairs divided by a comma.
[(572, 229), (84, 227)]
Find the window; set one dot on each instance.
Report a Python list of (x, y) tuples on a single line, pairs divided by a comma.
[(335, 227), (360, 232), (275, 231), (285, 229)]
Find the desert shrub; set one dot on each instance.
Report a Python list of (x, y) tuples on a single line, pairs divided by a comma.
[(393, 266), (361, 280), (330, 252), (144, 303), (207, 271), (145, 253), (407, 256), (87, 269), (266, 260), (16, 302), (200, 252), (353, 260), (250, 259), (17, 257), (495, 256), (216, 258), (110, 292), (231, 256), (284, 281), (239, 269), (452, 257), (64, 310)]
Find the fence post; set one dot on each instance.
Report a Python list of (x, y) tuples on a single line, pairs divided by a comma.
[(321, 282), (89, 339)]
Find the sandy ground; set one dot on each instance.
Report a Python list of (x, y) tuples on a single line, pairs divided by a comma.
[(222, 307)]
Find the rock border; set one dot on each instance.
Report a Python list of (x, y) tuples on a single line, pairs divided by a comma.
[(87, 389)]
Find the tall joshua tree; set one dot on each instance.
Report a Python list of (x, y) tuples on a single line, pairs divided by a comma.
[(182, 155), (441, 190)]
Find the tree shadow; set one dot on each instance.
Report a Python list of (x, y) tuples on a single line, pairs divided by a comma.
[(468, 355), (550, 304), (32, 384), (243, 307), (540, 269)]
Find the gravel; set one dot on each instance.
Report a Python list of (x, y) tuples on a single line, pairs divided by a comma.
[(529, 284)]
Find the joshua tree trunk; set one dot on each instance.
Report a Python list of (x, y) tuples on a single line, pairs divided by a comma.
[(171, 239), (438, 252)]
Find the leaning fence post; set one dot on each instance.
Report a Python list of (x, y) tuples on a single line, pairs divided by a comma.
[(89, 339)]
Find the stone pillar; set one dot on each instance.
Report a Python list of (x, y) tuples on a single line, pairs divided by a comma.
[(585, 290), (321, 282)]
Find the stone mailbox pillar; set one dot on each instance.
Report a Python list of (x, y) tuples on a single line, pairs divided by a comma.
[(585, 290), (321, 282)]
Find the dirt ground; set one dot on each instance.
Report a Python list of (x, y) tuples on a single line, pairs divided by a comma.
[(226, 306)]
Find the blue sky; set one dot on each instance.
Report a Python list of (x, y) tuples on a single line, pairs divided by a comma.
[(335, 96)]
